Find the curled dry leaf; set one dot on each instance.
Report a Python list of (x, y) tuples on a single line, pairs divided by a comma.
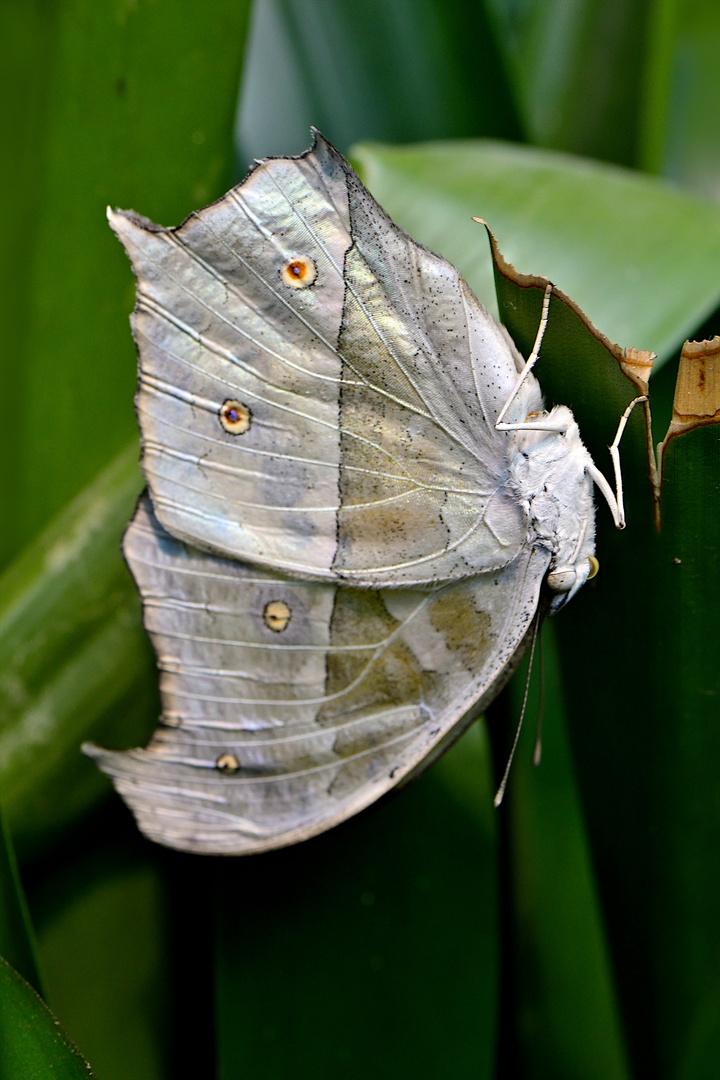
[(697, 396)]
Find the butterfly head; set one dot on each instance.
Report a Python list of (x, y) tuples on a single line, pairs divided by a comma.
[(564, 581)]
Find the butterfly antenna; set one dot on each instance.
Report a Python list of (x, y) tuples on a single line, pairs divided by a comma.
[(537, 752), (503, 783)]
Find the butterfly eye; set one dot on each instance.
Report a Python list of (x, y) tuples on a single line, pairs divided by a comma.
[(562, 580), (299, 272), (235, 417), (276, 616), (227, 763), (565, 579)]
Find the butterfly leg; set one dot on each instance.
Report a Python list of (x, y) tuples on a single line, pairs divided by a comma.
[(559, 423), (614, 499), (530, 363)]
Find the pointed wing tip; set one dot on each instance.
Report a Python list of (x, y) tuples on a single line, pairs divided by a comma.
[(121, 222), (325, 152), (125, 223), (115, 218), (92, 750), (117, 215), (320, 142), (96, 754), (104, 759)]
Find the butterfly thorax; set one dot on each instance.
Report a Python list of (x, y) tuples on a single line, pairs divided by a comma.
[(550, 473)]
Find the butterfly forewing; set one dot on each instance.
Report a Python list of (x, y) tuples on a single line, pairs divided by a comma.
[(425, 373), (218, 320), (317, 392), (289, 705)]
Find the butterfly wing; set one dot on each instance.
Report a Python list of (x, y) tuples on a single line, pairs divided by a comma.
[(214, 322), (289, 705), (317, 392)]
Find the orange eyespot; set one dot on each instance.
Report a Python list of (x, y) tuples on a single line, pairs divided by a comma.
[(299, 272), (594, 567), (235, 417), (276, 616)]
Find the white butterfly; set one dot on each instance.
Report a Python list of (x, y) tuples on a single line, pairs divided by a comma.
[(356, 502)]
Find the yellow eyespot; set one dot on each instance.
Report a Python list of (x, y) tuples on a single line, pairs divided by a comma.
[(227, 763), (276, 616), (594, 567), (299, 272), (235, 417)]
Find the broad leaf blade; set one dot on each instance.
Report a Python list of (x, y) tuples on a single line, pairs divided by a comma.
[(129, 105), (640, 259), (118, 986), (72, 655), (575, 69), (637, 645), (682, 99), (646, 743), (372, 949), (565, 993), (32, 1041)]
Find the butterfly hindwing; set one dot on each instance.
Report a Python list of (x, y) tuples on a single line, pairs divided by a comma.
[(289, 705)]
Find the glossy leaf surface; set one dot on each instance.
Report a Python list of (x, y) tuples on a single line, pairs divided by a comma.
[(110, 114), (33, 1043), (72, 653), (386, 925), (642, 260)]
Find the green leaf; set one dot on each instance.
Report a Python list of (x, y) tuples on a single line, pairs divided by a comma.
[(640, 259), (680, 137), (103, 919), (396, 70), (73, 659), (33, 1043), (565, 992), (646, 742), (576, 70), (371, 950), (656, 82), (17, 939), (122, 103)]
